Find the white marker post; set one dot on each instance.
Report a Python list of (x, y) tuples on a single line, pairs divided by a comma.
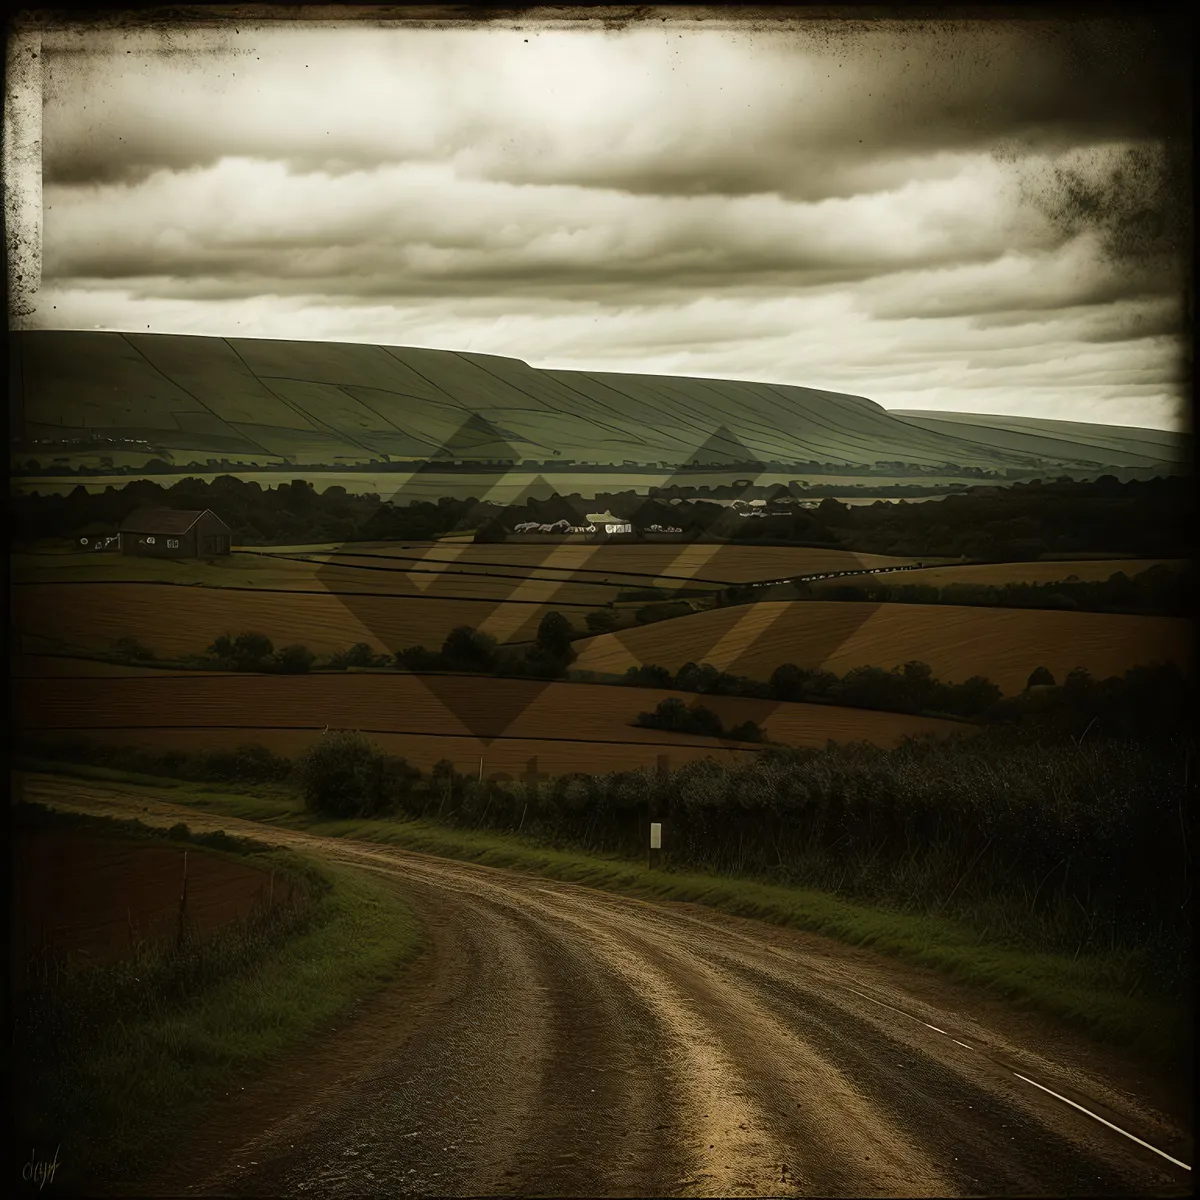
[(655, 842)]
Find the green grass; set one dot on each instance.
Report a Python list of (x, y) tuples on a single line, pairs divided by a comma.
[(1090, 993), (146, 1079)]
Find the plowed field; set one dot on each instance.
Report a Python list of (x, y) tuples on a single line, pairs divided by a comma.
[(454, 717)]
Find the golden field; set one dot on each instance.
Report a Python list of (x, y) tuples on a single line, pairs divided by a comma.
[(446, 716), (184, 620), (957, 641), (641, 563)]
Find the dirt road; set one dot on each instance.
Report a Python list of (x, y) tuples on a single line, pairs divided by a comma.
[(555, 1040)]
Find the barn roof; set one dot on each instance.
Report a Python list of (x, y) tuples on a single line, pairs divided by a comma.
[(165, 520)]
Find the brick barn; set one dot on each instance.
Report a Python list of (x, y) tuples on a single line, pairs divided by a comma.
[(174, 533)]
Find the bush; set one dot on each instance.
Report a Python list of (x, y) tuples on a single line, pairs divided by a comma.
[(295, 660), (246, 652), (343, 775), (131, 648), (603, 620), (359, 655), (554, 635), (648, 675), (466, 649), (417, 658), (1041, 677)]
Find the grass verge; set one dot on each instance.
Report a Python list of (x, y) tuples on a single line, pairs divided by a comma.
[(145, 1077), (1090, 993)]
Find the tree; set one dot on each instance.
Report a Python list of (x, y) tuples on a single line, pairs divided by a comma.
[(1041, 677), (343, 774), (249, 650), (554, 635), (359, 655), (468, 649), (295, 659), (491, 531)]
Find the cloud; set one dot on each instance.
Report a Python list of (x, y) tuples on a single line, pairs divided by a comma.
[(929, 214)]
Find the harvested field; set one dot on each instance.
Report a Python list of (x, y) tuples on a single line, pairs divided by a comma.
[(957, 641), (998, 574), (445, 708), (85, 892), (184, 620), (726, 563), (510, 756), (25, 666)]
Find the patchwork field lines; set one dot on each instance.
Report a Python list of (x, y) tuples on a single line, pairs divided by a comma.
[(956, 641), (184, 620), (724, 562), (998, 574), (461, 706), (507, 756)]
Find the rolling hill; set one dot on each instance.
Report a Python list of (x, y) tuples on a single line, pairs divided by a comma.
[(255, 401), (1102, 445)]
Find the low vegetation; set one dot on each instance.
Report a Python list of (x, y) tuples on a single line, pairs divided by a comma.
[(1161, 591), (674, 715), (124, 1054)]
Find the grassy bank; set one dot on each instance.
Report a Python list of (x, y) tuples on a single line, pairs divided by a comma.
[(1099, 993), (139, 1064)]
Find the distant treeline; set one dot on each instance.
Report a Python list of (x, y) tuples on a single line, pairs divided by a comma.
[(1061, 844), (1148, 519), (1023, 521), (43, 464), (1161, 590), (1147, 701)]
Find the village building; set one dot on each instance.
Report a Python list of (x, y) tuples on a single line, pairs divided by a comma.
[(174, 533)]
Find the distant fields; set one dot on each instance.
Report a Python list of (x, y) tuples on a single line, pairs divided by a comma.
[(956, 641), (998, 574), (453, 717)]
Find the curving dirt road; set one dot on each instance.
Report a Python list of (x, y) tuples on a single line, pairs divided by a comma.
[(555, 1040)]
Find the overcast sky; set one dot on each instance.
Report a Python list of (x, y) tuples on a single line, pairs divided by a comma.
[(974, 217)]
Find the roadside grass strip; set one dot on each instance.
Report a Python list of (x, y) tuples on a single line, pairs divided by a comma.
[(146, 1077), (1091, 993)]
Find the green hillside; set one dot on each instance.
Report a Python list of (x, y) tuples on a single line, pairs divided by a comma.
[(1065, 441), (191, 399)]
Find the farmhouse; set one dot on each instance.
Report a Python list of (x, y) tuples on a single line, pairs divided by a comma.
[(174, 533)]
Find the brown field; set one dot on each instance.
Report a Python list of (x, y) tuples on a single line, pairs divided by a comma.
[(83, 892), (509, 756), (1004, 645), (1018, 572), (727, 563), (25, 666), (184, 620), (446, 710)]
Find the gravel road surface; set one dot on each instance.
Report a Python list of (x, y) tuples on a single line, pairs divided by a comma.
[(554, 1040)]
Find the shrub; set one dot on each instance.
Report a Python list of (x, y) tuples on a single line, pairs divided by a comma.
[(467, 649), (343, 774), (554, 635), (1041, 677), (129, 647), (603, 620), (648, 675), (359, 655), (295, 660), (417, 658)]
